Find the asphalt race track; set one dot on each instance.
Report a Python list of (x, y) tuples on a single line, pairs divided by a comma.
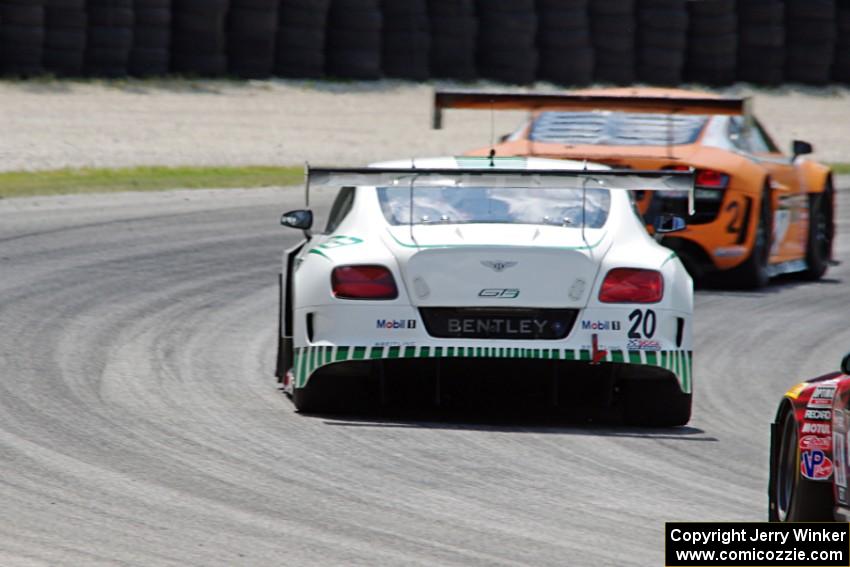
[(140, 423)]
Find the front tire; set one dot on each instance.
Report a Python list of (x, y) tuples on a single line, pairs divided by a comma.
[(656, 403), (796, 498), (819, 243)]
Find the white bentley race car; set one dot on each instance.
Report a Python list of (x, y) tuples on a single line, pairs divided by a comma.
[(444, 279)]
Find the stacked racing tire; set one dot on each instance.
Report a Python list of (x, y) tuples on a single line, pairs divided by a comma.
[(712, 42), (65, 24), (199, 39), (563, 42), (151, 52), (761, 41), (301, 38), (454, 36), (354, 39), (507, 36), (21, 37), (810, 40), (613, 28), (252, 28), (406, 42), (110, 37), (841, 64), (662, 39)]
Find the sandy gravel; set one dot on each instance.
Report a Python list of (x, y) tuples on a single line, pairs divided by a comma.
[(56, 123)]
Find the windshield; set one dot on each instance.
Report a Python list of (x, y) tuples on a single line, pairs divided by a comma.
[(606, 128), (503, 205)]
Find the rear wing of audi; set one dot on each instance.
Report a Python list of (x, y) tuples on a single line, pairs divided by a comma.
[(408, 178), (586, 102)]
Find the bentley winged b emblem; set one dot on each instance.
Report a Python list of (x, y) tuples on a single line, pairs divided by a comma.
[(498, 265)]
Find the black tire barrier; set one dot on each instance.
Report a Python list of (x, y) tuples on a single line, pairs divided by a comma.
[(110, 37), (151, 52), (252, 28), (613, 27), (841, 63), (507, 35), (454, 37), (810, 39), (65, 37), (353, 42), (406, 39), (712, 54), (199, 37), (761, 41), (564, 43), (301, 38), (567, 42), (662, 36), (22, 37)]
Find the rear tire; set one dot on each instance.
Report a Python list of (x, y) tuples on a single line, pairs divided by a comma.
[(795, 498), (656, 403), (753, 274), (819, 245)]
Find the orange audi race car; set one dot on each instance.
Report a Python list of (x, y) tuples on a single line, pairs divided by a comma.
[(759, 212)]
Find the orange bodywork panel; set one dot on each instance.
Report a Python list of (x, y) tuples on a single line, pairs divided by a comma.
[(728, 239)]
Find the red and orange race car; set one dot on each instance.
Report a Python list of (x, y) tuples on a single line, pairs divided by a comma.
[(759, 212), (808, 451)]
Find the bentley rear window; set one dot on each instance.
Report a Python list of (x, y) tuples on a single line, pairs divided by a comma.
[(606, 128), (505, 205)]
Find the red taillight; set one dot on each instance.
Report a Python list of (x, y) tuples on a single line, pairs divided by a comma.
[(706, 178), (632, 285), (363, 282)]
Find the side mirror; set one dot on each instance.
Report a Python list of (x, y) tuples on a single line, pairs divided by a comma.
[(801, 148), (667, 223), (845, 364), (301, 219)]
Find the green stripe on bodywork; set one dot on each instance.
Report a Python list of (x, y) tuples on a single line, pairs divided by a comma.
[(318, 252), (309, 359)]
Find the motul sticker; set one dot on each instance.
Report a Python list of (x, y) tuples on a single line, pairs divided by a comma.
[(815, 465), (819, 428), (822, 396), (815, 442)]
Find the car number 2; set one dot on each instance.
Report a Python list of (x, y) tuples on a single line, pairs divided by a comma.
[(642, 321)]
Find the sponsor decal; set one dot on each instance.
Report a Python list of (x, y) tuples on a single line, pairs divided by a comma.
[(577, 289), (395, 323), (600, 325), (839, 458), (819, 414), (643, 344), (815, 465), (338, 241), (818, 428), (393, 343), (498, 265), (815, 442), (502, 326), (822, 396), (499, 293), (729, 251)]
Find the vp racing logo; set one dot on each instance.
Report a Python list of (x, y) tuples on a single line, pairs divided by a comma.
[(498, 265)]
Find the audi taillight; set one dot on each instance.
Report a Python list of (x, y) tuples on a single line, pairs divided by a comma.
[(707, 182), (363, 282), (632, 285)]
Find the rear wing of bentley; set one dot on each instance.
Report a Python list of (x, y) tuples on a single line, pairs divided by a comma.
[(409, 178), (587, 102)]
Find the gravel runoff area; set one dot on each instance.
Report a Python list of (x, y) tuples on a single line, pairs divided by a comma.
[(54, 124)]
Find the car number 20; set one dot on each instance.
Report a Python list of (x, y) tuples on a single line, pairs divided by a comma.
[(642, 322)]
